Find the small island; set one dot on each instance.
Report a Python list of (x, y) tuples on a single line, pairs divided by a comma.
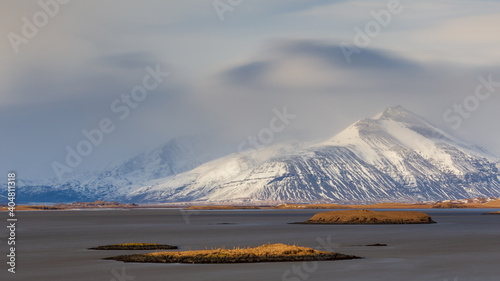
[(369, 217), (376, 245), (264, 253), (135, 246), (494, 213)]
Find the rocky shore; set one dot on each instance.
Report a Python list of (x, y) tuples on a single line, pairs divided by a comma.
[(135, 246)]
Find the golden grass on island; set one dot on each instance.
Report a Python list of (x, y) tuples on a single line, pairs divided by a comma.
[(494, 213), (264, 253), (369, 217), (135, 246)]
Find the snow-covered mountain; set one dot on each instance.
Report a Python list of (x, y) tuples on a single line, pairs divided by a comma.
[(395, 156), (114, 182)]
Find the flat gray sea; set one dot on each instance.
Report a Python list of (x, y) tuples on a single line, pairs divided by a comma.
[(52, 245)]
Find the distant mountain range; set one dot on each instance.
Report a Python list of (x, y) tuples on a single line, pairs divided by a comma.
[(395, 156), (114, 182)]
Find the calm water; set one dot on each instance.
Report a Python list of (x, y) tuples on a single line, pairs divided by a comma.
[(463, 245)]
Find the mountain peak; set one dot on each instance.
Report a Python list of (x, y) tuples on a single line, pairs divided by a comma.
[(395, 112), (396, 156), (402, 115), (376, 124)]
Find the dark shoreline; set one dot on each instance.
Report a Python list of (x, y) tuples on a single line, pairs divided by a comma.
[(362, 223), (139, 258), (135, 247)]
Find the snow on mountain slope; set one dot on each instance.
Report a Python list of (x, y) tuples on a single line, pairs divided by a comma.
[(396, 156), (112, 183)]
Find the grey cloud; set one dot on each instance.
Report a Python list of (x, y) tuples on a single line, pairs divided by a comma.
[(252, 72), (376, 79), (136, 60), (385, 70), (333, 54)]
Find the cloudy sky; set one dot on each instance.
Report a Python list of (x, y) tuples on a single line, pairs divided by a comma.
[(65, 67)]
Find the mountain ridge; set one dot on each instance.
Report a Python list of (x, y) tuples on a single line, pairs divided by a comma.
[(394, 156)]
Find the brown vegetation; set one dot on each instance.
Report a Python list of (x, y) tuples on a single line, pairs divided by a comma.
[(469, 203), (264, 253), (75, 205), (492, 204), (372, 206), (311, 206), (449, 205), (95, 204), (34, 208), (442, 205), (369, 217), (219, 207)]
